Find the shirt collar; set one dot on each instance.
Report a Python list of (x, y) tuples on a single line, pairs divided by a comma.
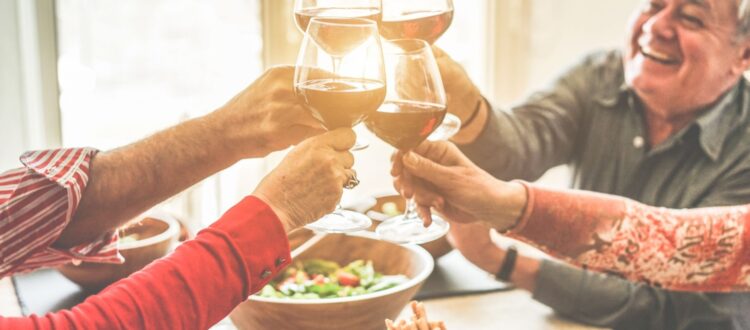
[(718, 121), (611, 97)]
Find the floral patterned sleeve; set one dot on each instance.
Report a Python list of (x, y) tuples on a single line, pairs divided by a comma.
[(706, 249)]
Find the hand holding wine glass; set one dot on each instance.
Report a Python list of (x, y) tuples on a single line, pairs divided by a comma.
[(438, 175), (340, 76)]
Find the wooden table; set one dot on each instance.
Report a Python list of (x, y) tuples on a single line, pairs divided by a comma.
[(500, 310)]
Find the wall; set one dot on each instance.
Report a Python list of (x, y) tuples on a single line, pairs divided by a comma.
[(11, 132)]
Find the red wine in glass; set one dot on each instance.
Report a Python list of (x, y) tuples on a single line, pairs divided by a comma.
[(302, 17), (405, 124), (342, 102), (426, 25)]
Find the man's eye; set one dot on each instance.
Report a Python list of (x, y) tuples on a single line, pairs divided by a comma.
[(692, 21)]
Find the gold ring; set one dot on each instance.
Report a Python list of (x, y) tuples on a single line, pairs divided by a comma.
[(353, 182)]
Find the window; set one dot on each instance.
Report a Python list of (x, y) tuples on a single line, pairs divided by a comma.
[(130, 68)]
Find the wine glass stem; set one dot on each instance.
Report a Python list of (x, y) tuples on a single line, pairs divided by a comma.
[(411, 213), (335, 62)]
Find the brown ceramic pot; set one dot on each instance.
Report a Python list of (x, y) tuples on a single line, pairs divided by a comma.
[(155, 233)]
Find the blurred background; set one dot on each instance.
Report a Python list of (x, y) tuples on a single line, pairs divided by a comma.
[(104, 73)]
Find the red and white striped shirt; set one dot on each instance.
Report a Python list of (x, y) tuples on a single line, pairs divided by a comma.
[(37, 202)]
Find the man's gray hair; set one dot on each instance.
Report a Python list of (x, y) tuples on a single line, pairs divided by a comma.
[(743, 18)]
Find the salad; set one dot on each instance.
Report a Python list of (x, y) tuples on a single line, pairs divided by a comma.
[(316, 278)]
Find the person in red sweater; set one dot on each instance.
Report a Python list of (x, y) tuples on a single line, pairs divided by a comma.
[(705, 249), (64, 205)]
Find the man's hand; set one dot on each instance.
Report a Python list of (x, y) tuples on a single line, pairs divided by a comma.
[(463, 97), (438, 175), (267, 116), (309, 181)]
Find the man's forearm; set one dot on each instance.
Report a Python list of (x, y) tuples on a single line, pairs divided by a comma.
[(127, 181)]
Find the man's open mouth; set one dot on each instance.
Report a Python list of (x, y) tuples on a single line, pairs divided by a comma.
[(658, 56)]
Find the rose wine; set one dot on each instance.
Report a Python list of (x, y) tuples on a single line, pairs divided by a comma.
[(342, 102), (405, 124), (338, 36), (425, 25), (302, 17)]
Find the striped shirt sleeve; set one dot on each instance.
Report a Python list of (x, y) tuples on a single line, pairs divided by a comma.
[(37, 202)]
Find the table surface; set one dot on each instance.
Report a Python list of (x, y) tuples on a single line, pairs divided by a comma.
[(507, 310)]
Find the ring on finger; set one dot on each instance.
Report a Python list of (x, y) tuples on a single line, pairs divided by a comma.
[(352, 182)]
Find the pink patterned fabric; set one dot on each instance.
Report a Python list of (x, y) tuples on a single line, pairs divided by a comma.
[(706, 249)]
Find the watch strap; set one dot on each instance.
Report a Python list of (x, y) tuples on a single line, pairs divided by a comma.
[(509, 263)]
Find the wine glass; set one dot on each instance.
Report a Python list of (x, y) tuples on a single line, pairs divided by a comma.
[(419, 19), (304, 10), (340, 76), (414, 108)]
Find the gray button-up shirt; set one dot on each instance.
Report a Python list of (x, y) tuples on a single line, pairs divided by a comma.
[(588, 118)]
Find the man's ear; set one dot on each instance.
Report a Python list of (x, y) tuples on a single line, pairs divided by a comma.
[(743, 60)]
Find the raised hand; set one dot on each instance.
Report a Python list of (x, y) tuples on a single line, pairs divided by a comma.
[(267, 116)]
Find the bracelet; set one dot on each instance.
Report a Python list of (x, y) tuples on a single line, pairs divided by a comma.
[(509, 263), (473, 114)]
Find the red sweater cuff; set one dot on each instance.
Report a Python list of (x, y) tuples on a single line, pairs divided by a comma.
[(526, 215), (265, 249)]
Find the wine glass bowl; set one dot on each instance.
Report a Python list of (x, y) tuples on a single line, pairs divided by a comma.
[(421, 19), (447, 129), (339, 71), (415, 105), (305, 10)]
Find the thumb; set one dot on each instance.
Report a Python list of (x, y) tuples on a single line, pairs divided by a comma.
[(425, 169), (339, 139)]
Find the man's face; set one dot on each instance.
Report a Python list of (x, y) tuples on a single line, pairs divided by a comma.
[(683, 52)]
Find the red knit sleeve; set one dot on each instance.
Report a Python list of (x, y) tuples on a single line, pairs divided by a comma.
[(194, 287), (706, 249)]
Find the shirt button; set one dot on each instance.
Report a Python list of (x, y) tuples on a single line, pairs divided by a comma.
[(279, 261), (265, 274), (638, 142)]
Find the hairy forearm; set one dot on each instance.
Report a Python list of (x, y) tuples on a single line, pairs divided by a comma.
[(127, 181)]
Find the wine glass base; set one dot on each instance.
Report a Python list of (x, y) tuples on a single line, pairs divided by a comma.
[(360, 144), (341, 221), (404, 231)]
